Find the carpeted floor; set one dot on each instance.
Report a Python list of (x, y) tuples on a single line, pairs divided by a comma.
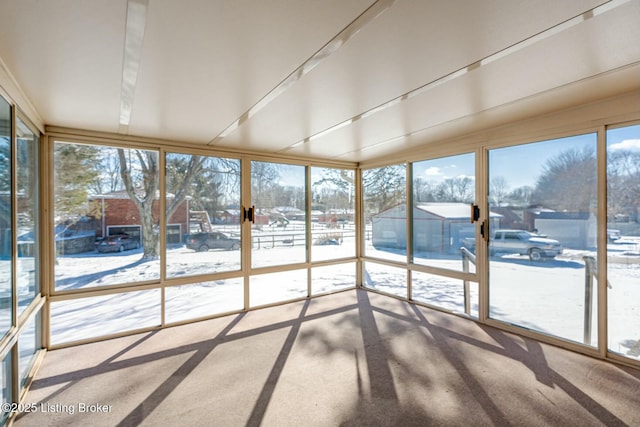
[(349, 359)]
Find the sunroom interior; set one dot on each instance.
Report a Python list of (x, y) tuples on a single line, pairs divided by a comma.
[(168, 164)]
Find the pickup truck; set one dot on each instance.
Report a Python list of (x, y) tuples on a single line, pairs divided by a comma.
[(520, 242)]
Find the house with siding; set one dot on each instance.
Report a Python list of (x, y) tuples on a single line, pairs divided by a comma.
[(437, 227)]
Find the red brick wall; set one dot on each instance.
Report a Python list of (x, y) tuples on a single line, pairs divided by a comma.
[(124, 212)]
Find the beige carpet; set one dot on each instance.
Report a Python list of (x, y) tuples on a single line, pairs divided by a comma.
[(348, 359)]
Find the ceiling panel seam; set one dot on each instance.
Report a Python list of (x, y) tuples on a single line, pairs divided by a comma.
[(339, 40), (542, 35)]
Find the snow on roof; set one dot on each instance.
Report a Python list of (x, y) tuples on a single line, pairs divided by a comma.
[(450, 210)]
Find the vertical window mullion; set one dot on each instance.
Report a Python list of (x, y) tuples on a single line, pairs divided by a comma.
[(162, 217), (409, 226), (15, 380), (14, 220), (601, 224)]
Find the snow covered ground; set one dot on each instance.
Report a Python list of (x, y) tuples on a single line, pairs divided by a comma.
[(545, 296)]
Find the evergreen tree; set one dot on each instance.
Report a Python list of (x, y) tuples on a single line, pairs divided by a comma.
[(75, 168)]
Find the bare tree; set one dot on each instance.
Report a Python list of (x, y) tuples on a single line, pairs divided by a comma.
[(423, 190), (459, 189), (384, 187), (498, 191), (264, 178), (109, 166), (335, 189), (521, 196), (623, 182), (142, 184), (567, 181)]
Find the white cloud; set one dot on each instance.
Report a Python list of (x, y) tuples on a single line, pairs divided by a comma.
[(433, 171), (627, 144)]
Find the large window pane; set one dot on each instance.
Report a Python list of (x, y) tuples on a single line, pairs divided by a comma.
[(203, 299), (93, 317), (106, 215), (277, 287), (333, 230), (623, 248), (203, 214), (332, 278), (540, 268), (278, 192), (445, 292), (385, 212), (5, 382), (27, 207), (29, 344), (6, 247), (443, 190), (384, 278)]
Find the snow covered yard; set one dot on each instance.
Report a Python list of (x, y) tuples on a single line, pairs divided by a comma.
[(544, 296)]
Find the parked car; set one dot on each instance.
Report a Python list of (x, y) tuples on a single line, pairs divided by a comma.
[(613, 235), (520, 242), (202, 242), (118, 243)]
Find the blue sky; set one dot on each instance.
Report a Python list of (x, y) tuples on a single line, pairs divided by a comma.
[(624, 138), (437, 170), (521, 165)]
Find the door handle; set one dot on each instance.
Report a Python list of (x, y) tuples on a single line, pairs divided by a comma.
[(248, 214), (475, 213), (484, 230)]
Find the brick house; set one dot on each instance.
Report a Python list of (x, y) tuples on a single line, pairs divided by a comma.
[(120, 215)]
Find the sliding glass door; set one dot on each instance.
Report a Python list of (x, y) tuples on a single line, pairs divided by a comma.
[(543, 242), (278, 231), (443, 234), (623, 241)]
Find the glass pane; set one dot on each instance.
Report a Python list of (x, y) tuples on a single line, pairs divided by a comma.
[(29, 344), (333, 230), (385, 217), (6, 248), (278, 191), (5, 380), (332, 278), (544, 237), (203, 214), (93, 317), (277, 287), (445, 292), (203, 299), (443, 190), (623, 248), (384, 278), (28, 237), (106, 215)]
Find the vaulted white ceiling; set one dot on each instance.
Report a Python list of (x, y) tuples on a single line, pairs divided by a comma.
[(353, 80)]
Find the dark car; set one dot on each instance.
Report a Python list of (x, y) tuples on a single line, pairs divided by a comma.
[(118, 243), (202, 242)]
